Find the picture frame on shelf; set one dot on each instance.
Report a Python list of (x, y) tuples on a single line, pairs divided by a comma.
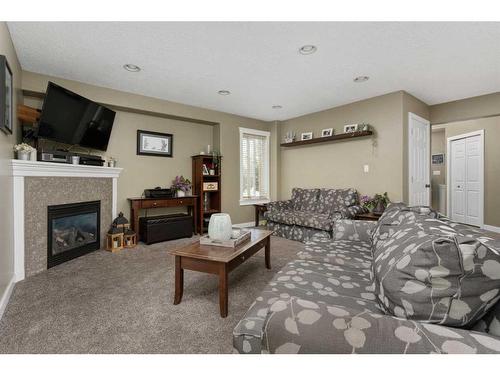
[(154, 143), (351, 128), (205, 170), (327, 132), (7, 97), (306, 136)]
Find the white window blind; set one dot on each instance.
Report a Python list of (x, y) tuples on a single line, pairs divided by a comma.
[(254, 166)]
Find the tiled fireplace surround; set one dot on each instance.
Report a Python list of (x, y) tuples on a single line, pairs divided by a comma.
[(38, 185)]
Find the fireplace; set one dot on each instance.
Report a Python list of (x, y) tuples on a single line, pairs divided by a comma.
[(73, 230)]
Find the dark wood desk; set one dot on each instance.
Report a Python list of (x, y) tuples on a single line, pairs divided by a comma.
[(259, 209), (136, 204), (370, 216)]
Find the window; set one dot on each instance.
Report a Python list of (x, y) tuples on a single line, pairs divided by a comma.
[(254, 166)]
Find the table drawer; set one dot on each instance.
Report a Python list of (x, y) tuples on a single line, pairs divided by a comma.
[(169, 203)]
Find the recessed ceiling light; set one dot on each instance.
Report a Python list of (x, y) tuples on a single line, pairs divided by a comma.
[(361, 79), (277, 107), (223, 92), (307, 49), (131, 68)]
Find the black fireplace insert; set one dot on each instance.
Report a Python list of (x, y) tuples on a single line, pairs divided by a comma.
[(73, 230)]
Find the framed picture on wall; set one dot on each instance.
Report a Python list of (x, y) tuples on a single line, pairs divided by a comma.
[(6, 98), (437, 159), (154, 143)]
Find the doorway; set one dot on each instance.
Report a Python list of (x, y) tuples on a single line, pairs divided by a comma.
[(465, 178)]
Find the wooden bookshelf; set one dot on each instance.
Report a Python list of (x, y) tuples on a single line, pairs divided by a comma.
[(333, 138), (213, 196)]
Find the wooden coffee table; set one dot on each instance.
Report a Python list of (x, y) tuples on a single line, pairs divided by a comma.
[(219, 261)]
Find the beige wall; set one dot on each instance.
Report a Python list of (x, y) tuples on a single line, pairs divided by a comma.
[(491, 128), (6, 153), (189, 138), (340, 164), (466, 109)]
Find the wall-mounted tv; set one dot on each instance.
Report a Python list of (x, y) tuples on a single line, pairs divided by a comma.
[(72, 119)]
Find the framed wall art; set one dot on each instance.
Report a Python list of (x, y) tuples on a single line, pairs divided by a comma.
[(7, 97), (437, 159), (154, 143)]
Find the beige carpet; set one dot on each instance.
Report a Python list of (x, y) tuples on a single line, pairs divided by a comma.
[(122, 303)]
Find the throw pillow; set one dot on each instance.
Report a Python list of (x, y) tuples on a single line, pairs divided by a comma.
[(425, 271)]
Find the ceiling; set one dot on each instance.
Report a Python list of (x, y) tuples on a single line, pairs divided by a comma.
[(189, 62)]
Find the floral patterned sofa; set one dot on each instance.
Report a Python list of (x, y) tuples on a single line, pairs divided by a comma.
[(411, 283), (311, 212)]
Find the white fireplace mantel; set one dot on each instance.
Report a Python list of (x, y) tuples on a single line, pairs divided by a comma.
[(25, 168)]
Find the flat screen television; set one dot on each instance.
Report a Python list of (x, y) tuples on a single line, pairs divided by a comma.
[(72, 119)]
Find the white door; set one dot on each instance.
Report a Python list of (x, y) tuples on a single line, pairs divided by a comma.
[(457, 172), (419, 160), (466, 177)]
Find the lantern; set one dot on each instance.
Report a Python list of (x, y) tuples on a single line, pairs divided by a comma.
[(121, 222), (129, 238), (114, 239)]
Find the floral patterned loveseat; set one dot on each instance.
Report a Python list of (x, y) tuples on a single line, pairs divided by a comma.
[(411, 283), (311, 212)]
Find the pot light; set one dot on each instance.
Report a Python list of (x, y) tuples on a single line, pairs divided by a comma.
[(277, 107), (361, 79), (131, 68), (307, 49), (224, 92)]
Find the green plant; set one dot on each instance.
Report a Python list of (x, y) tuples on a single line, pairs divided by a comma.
[(216, 156), (370, 203)]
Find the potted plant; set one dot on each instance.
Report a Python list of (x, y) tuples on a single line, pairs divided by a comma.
[(181, 185), (375, 204), (23, 151), (216, 156)]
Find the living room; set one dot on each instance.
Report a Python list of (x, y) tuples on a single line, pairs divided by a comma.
[(249, 187)]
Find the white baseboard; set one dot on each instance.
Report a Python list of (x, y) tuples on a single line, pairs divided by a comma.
[(6, 296), (245, 225), (491, 228)]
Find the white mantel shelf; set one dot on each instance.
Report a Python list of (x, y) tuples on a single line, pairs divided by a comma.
[(19, 169), (28, 168)]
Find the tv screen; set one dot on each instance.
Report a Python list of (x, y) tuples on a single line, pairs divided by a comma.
[(70, 118)]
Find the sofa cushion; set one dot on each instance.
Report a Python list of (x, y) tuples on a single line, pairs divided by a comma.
[(397, 214), (282, 216), (426, 271), (312, 220), (352, 255), (304, 199), (296, 325), (324, 282), (302, 218), (332, 200)]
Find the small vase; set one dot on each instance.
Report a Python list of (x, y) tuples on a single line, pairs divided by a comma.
[(23, 155), (379, 208), (220, 227), (181, 193)]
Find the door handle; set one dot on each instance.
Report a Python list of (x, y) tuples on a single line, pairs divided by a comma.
[(427, 185)]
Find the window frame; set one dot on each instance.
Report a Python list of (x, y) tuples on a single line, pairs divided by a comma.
[(267, 164)]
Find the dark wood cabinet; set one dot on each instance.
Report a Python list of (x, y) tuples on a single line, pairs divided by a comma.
[(207, 187)]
